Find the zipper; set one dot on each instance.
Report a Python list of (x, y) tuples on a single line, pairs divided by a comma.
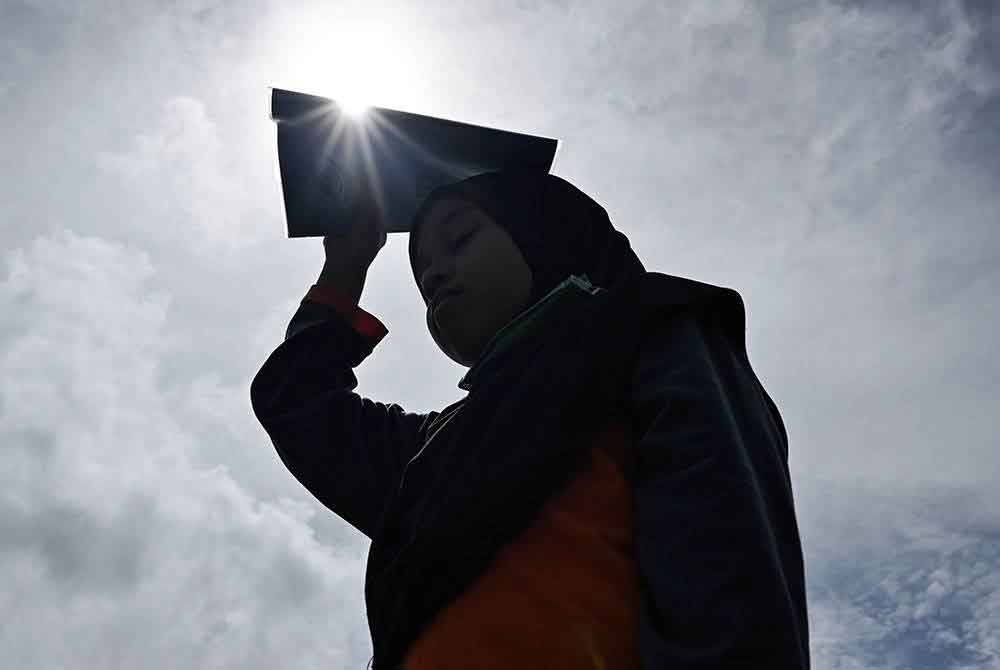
[(580, 282)]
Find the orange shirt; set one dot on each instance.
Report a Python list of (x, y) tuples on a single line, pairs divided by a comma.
[(563, 595)]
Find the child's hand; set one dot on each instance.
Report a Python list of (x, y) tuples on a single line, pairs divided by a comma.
[(348, 255), (357, 244)]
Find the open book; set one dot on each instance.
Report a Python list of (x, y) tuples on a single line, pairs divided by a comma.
[(327, 156)]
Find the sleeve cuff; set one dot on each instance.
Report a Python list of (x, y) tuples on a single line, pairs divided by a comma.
[(364, 323)]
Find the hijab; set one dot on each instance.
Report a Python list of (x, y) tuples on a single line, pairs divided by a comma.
[(524, 429), (559, 230)]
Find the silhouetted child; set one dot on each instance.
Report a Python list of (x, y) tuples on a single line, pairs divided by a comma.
[(613, 490)]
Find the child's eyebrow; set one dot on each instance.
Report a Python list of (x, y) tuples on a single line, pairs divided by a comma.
[(421, 260)]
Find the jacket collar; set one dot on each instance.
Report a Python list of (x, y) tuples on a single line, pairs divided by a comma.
[(526, 322)]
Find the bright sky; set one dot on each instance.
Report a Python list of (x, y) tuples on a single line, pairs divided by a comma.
[(834, 161)]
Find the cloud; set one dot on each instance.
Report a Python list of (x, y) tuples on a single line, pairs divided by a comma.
[(177, 192), (903, 578), (109, 533), (180, 192), (835, 162), (179, 171)]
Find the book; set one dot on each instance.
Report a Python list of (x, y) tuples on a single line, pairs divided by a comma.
[(327, 157)]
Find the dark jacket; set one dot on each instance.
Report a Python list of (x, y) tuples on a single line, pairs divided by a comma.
[(715, 533)]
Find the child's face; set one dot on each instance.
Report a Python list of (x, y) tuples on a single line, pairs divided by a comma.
[(461, 248)]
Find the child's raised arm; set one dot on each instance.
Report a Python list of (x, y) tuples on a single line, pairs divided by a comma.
[(348, 451)]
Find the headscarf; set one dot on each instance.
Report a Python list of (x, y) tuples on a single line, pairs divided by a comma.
[(523, 431), (559, 230)]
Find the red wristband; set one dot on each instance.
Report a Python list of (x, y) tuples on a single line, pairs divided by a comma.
[(364, 323)]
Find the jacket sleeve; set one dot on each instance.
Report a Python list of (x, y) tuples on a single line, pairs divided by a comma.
[(716, 538), (348, 451)]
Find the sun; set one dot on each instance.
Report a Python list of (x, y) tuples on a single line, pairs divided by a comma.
[(357, 63), (352, 105)]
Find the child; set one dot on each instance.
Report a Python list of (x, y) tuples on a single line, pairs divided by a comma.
[(613, 490)]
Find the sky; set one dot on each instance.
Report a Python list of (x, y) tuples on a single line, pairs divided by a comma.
[(836, 162)]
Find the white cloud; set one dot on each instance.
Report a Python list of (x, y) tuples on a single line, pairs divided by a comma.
[(827, 159), (182, 184), (901, 578), (111, 536)]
